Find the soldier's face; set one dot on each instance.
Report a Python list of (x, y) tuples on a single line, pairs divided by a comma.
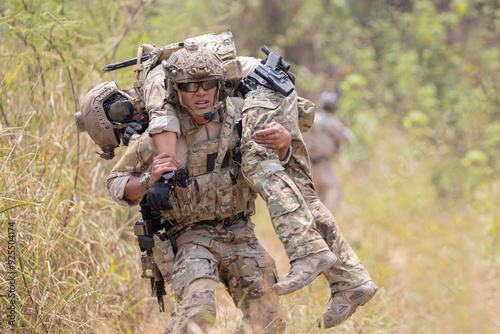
[(201, 99)]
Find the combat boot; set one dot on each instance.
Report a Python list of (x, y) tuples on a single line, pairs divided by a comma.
[(345, 303), (304, 271)]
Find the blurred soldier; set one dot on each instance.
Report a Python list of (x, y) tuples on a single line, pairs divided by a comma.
[(323, 143), (206, 202)]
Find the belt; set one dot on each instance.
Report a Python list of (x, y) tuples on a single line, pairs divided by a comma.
[(208, 242), (223, 221)]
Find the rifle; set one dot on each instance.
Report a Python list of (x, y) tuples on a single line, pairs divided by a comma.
[(144, 229), (271, 73), (125, 63)]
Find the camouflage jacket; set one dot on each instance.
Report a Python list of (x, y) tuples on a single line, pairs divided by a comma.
[(213, 191)]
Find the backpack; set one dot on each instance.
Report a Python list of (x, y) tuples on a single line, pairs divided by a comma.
[(220, 43), (226, 49)]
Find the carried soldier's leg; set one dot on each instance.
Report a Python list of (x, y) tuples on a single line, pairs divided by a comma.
[(351, 285), (290, 215)]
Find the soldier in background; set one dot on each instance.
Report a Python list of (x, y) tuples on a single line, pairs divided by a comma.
[(324, 141)]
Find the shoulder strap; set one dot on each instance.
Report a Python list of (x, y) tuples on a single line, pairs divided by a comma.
[(225, 134)]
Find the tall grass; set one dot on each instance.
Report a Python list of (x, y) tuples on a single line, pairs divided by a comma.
[(436, 262), (77, 266)]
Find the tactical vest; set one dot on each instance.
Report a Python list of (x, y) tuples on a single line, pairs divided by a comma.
[(213, 192)]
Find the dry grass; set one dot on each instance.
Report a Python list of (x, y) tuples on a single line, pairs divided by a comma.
[(78, 271)]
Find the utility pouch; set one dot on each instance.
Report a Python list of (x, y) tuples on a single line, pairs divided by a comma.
[(181, 202), (163, 255)]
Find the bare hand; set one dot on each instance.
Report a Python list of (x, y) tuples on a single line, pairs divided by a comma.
[(273, 136), (162, 163)]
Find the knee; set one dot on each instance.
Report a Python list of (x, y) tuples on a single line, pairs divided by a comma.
[(197, 309), (201, 299), (206, 315)]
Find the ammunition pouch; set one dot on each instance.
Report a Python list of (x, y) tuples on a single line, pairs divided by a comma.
[(207, 193), (208, 197), (163, 255)]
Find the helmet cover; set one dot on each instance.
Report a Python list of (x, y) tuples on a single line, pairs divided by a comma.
[(104, 109)]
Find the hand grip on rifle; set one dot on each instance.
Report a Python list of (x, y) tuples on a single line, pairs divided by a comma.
[(159, 193)]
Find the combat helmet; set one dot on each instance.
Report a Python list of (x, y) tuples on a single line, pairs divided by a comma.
[(104, 110), (195, 63)]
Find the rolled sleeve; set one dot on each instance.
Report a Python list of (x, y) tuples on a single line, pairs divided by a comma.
[(164, 120), (116, 183)]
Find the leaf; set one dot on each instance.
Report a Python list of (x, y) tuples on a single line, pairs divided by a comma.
[(9, 80)]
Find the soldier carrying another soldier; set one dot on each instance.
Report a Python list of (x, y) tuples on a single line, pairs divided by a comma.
[(351, 285), (308, 231)]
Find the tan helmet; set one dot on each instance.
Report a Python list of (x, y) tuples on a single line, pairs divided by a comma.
[(105, 108), (194, 63)]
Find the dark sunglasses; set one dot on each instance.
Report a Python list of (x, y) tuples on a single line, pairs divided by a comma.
[(192, 87), (119, 109)]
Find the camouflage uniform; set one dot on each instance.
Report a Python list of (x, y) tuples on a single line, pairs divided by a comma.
[(264, 106), (348, 272), (323, 144), (222, 249), (292, 220), (291, 217)]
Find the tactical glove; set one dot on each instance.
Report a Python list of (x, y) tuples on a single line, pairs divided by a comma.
[(133, 128), (159, 193)]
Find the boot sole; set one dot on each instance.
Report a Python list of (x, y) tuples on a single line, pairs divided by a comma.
[(351, 311), (306, 281)]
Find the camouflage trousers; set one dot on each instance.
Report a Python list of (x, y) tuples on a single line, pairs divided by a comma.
[(289, 212), (349, 272), (263, 107), (208, 254)]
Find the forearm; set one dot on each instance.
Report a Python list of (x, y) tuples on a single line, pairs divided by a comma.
[(133, 190), (166, 142)]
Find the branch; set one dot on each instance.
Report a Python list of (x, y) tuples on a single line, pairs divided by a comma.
[(138, 11), (4, 116)]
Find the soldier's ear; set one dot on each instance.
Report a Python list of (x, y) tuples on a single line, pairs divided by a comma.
[(172, 97)]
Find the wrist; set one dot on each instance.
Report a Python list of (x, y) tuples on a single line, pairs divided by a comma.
[(145, 180)]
